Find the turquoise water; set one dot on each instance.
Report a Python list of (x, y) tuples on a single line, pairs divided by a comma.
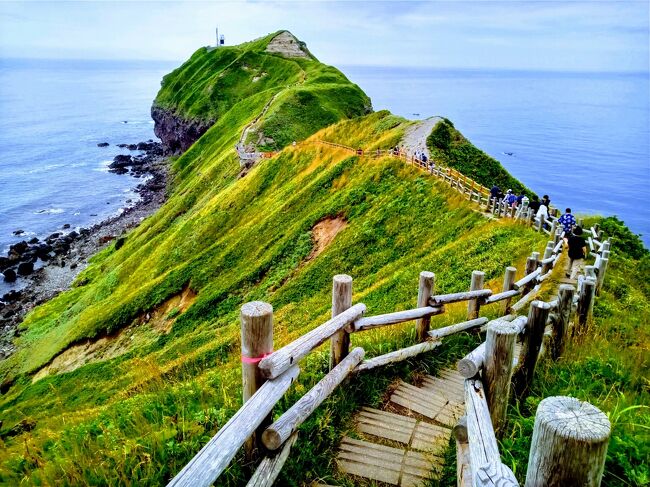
[(584, 139)]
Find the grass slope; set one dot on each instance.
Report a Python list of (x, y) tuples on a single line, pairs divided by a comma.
[(231, 241), (448, 145)]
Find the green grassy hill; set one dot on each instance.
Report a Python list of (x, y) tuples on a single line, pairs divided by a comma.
[(216, 82), (123, 378)]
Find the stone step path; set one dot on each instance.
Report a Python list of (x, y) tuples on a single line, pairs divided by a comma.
[(406, 445)]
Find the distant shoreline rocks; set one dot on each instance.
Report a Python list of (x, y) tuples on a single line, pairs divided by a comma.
[(40, 270)]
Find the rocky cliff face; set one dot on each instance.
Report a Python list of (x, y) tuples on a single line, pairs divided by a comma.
[(176, 133)]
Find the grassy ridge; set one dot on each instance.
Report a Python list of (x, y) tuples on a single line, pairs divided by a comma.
[(233, 240), (310, 95)]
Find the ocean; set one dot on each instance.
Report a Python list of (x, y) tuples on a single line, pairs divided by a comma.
[(581, 138)]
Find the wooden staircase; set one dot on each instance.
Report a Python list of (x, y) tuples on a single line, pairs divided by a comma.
[(405, 443)]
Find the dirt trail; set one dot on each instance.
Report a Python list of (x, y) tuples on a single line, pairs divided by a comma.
[(416, 136)]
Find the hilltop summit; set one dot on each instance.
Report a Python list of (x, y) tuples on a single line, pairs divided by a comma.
[(242, 79)]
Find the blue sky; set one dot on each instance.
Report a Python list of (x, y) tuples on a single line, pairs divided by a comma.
[(549, 35)]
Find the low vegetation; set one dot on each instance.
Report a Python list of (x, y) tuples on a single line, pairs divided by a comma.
[(138, 415), (451, 148)]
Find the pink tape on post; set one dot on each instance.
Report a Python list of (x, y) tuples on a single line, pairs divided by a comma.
[(254, 360)]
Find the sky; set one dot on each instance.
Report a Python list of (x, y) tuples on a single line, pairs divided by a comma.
[(545, 35)]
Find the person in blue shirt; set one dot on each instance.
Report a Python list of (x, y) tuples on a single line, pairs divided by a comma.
[(568, 221)]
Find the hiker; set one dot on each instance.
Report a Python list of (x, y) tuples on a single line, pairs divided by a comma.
[(546, 201), (494, 192), (424, 158), (534, 204), (568, 221), (542, 212), (577, 252), (510, 198)]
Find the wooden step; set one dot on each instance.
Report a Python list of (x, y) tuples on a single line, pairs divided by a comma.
[(449, 389), (428, 403), (393, 466)]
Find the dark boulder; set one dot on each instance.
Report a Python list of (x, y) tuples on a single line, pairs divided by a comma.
[(132, 146), (53, 237), (121, 160), (4, 263), (12, 296), (25, 268), (19, 247), (67, 225), (18, 232), (103, 144), (9, 275), (33, 241), (73, 235), (122, 146), (119, 243)]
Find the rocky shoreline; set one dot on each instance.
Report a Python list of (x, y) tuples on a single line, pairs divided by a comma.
[(49, 267)]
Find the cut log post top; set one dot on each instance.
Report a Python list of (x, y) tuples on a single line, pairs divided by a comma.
[(291, 354), (472, 363), (280, 431), (441, 299), (569, 444)]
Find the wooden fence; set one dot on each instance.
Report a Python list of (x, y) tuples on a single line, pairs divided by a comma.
[(267, 375)]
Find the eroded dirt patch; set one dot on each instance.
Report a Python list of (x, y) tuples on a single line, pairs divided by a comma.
[(324, 233), (144, 330)]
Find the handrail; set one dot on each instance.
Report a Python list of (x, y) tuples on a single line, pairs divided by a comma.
[(280, 367)]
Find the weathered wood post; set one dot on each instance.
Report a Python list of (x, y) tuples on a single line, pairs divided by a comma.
[(531, 265), (553, 228), (256, 320), (532, 343), (548, 252), (497, 370), (602, 268), (473, 305), (606, 244), (585, 304), (569, 444), (341, 300), (425, 291), (563, 318), (508, 281), (590, 271), (540, 224)]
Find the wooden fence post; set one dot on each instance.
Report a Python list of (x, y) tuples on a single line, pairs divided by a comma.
[(585, 304), (531, 265), (425, 291), (256, 320), (473, 306), (548, 251), (602, 268), (497, 370), (569, 444), (341, 301), (508, 281), (532, 343), (563, 318)]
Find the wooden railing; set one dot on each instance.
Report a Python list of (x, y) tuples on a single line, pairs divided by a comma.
[(267, 374)]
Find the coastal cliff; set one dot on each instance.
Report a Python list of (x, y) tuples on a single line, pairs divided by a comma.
[(306, 95)]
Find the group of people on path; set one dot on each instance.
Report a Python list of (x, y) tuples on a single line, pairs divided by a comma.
[(572, 232)]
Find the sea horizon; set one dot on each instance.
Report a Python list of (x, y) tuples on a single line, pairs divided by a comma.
[(110, 111)]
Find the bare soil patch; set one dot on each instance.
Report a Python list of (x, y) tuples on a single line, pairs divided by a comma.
[(324, 233)]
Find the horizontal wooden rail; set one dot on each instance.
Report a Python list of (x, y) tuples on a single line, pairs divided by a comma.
[(501, 296), (458, 327), (215, 456), (370, 322), (397, 355), (527, 278), (289, 355), (280, 431), (458, 297)]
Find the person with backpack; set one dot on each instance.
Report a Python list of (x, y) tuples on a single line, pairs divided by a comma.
[(577, 253), (494, 192), (568, 221), (534, 203)]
